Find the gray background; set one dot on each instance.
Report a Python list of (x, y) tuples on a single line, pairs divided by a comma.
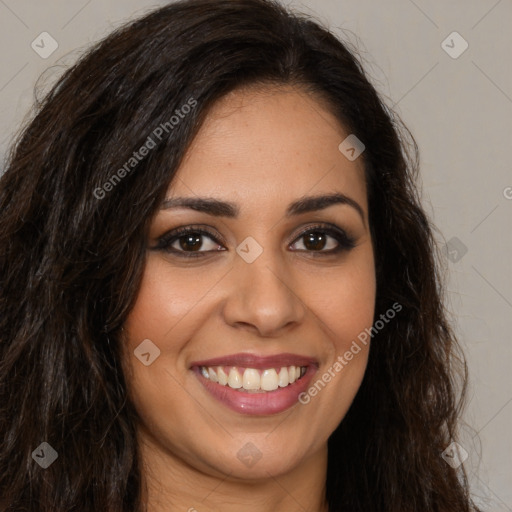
[(460, 112)]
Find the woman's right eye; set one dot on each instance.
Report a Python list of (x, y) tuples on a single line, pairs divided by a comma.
[(188, 242)]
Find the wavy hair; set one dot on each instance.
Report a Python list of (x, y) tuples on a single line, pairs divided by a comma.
[(71, 262)]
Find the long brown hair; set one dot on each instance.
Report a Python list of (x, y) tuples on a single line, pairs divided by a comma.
[(71, 262)]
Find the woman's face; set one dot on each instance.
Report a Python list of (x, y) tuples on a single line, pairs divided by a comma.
[(278, 287)]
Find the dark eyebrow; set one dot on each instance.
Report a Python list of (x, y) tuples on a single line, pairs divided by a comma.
[(226, 209)]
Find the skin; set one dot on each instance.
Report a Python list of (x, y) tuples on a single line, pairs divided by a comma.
[(261, 149)]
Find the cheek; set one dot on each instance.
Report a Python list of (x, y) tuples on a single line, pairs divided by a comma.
[(344, 301), (156, 316), (345, 307), (164, 300)]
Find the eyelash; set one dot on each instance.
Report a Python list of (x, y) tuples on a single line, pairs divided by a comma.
[(346, 242)]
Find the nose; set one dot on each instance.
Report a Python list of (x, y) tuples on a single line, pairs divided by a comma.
[(262, 296)]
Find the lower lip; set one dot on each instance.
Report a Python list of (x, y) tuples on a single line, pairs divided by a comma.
[(269, 402)]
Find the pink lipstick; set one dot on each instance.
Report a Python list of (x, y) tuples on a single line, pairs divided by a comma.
[(257, 385)]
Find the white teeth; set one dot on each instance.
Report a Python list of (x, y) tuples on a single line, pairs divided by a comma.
[(269, 380), (251, 379), (283, 377), (213, 375), (234, 379), (254, 380), (221, 374)]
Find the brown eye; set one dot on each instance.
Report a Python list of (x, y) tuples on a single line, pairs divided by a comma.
[(314, 241), (325, 240), (189, 242)]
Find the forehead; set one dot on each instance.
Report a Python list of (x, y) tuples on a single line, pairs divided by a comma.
[(269, 143)]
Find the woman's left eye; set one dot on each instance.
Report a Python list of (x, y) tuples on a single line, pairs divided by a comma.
[(319, 240)]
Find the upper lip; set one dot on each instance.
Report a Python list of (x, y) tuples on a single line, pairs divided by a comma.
[(258, 362)]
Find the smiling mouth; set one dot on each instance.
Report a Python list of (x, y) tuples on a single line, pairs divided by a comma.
[(253, 380), (253, 384)]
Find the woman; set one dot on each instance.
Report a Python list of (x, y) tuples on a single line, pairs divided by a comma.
[(218, 287)]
